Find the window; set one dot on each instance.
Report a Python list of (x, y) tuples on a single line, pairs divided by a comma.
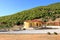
[(37, 24)]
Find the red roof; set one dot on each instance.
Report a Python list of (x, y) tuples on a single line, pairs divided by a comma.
[(35, 20)]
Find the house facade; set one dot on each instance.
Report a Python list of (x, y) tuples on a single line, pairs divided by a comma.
[(33, 23)]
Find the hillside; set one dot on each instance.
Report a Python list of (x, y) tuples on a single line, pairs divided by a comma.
[(51, 11)]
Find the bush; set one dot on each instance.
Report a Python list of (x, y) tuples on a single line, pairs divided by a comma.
[(49, 33), (55, 33), (44, 19), (24, 29), (53, 18), (18, 23)]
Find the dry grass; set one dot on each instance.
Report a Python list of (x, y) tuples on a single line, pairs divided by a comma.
[(29, 37)]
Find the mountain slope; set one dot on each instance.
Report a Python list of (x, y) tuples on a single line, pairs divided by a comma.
[(45, 12)]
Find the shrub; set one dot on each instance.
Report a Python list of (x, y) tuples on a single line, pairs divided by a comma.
[(24, 29), (49, 33), (55, 33), (18, 23)]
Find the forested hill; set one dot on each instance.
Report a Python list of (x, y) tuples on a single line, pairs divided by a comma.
[(51, 11)]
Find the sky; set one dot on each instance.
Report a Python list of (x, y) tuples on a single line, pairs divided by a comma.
[(8, 7)]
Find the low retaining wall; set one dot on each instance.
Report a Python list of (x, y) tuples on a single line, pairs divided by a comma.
[(29, 37)]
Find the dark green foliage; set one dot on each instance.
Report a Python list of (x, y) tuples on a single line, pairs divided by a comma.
[(18, 23), (55, 33), (53, 18), (46, 12), (24, 29), (49, 33)]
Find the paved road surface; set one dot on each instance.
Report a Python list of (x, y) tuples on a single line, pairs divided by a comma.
[(34, 31)]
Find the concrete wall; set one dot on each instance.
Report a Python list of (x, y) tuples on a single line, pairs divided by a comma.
[(53, 26)]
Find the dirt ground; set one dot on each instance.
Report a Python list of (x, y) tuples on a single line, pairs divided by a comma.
[(29, 37)]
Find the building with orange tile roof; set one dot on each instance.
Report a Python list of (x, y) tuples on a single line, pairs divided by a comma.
[(33, 23)]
